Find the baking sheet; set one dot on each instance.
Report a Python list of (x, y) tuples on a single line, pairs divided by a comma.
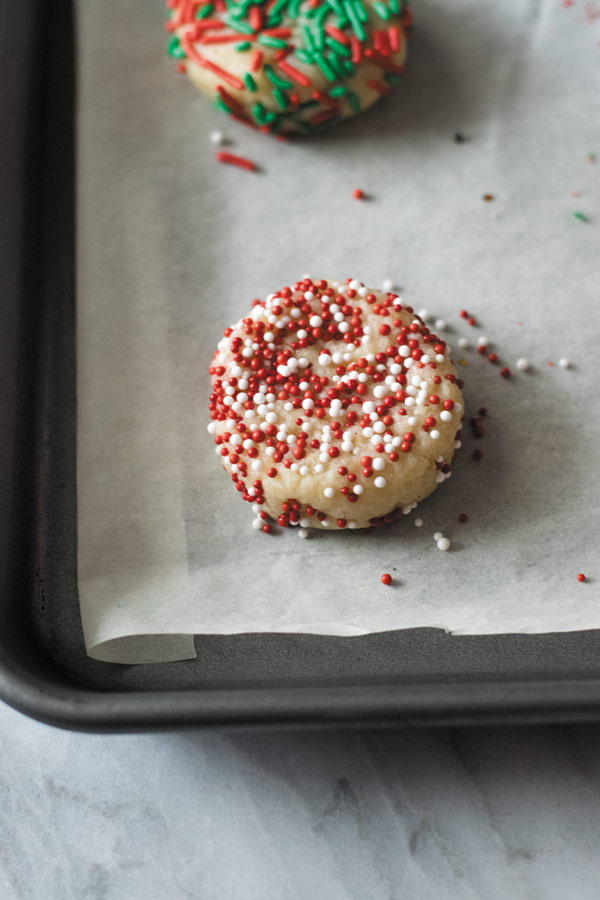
[(172, 247)]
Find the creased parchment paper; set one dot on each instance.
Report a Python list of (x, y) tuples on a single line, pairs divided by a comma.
[(173, 247)]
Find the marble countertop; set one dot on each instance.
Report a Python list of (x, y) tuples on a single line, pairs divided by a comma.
[(459, 815)]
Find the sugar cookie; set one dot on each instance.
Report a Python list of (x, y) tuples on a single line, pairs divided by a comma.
[(334, 405)]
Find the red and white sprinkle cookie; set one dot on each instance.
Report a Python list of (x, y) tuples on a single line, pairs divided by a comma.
[(334, 406)]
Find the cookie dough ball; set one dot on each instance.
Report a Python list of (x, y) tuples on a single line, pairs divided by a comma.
[(334, 406), (290, 65)]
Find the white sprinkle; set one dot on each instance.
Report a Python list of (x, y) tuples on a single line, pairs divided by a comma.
[(379, 392), (257, 465), (404, 351), (315, 321), (445, 415), (564, 363), (522, 365), (463, 342), (482, 341), (443, 544), (257, 523), (328, 492), (380, 482), (434, 435), (440, 323), (318, 469), (439, 357), (217, 137), (302, 533), (388, 285), (357, 489), (423, 314), (418, 523), (438, 535), (308, 403), (379, 464), (324, 359)]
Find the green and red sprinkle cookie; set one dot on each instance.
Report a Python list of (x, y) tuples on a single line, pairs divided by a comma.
[(290, 65)]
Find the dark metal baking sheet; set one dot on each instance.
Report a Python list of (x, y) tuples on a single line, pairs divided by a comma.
[(419, 676)]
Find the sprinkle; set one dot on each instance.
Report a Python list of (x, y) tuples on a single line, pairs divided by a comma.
[(255, 60), (581, 216), (505, 372), (581, 577), (564, 363), (418, 523), (388, 285), (522, 365), (463, 343), (303, 533), (267, 528), (443, 544), (386, 578), (440, 324), (358, 194), (438, 535), (217, 137), (463, 517), (488, 198), (240, 161)]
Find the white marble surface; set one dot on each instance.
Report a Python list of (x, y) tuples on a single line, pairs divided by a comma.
[(459, 815)]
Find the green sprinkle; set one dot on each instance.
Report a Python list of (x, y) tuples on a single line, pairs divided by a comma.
[(337, 8), (276, 9), (348, 67), (270, 117), (336, 64), (222, 106), (267, 41), (353, 101), (357, 28), (337, 47), (325, 67), (322, 13), (304, 57), (258, 111), (338, 91), (280, 98), (204, 11), (307, 38), (294, 9), (272, 21), (381, 10), (245, 45), (360, 11), (242, 27), (394, 6), (581, 216), (275, 79), (391, 78), (174, 48), (250, 82)]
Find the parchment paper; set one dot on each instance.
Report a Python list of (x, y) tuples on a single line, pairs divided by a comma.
[(173, 247)]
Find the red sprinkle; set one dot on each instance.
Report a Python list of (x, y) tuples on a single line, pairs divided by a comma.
[(463, 517), (505, 372), (580, 577), (240, 161), (358, 194), (386, 578)]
